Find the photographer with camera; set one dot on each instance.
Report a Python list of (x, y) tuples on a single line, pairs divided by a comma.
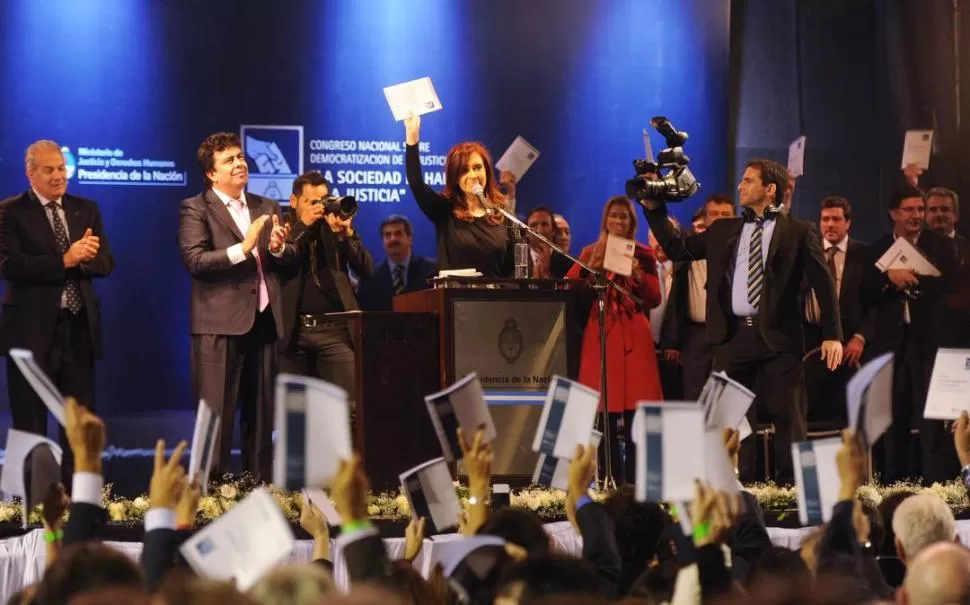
[(755, 267), (313, 344)]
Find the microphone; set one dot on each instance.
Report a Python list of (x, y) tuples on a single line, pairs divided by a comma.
[(479, 192)]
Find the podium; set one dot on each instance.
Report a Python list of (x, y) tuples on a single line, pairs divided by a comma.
[(516, 334), (396, 357)]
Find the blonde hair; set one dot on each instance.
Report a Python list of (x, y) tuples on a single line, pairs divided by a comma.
[(293, 585)]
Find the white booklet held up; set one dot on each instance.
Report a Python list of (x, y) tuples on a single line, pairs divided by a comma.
[(244, 543), (554, 472), (39, 381), (430, 491), (462, 404), (567, 420), (203, 445), (414, 98), (31, 466), (917, 148), (796, 157), (518, 158), (313, 431), (949, 392), (619, 255), (816, 478), (319, 499), (904, 255), (726, 402), (869, 399)]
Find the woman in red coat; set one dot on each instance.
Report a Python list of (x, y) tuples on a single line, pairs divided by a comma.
[(631, 360)]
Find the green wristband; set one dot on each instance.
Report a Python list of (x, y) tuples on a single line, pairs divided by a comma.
[(702, 531), (53, 536), (355, 526)]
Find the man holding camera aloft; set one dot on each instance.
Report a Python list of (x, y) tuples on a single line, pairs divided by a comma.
[(313, 342)]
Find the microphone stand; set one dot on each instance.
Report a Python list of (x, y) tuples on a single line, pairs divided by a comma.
[(600, 286)]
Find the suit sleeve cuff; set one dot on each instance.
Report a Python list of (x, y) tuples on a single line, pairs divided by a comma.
[(860, 337), (159, 518), (280, 253), (236, 254), (88, 488)]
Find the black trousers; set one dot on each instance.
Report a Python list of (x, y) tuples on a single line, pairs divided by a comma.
[(778, 381), (623, 454), (69, 362), (825, 390), (237, 372), (696, 360), (324, 351)]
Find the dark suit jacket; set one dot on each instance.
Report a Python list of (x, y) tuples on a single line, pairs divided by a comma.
[(160, 554), (599, 544), (856, 317), (367, 561), (888, 302), (794, 252), (335, 257), (675, 314), (225, 297), (32, 264), (85, 522), (376, 292)]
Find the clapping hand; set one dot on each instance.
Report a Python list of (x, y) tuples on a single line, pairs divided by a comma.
[(277, 238)]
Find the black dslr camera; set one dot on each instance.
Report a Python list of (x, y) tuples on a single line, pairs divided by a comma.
[(343, 207), (678, 183)]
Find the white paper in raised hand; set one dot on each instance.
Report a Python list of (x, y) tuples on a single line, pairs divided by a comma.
[(462, 404), (203, 445), (313, 431), (413, 98), (618, 257), (567, 419), (44, 457), (869, 399), (726, 403), (904, 255), (40, 382), (553, 472), (917, 148), (796, 157), (518, 158), (949, 392), (431, 494), (816, 479), (319, 499), (244, 543)]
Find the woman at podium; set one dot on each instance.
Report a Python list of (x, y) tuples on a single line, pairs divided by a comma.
[(632, 374), (470, 234)]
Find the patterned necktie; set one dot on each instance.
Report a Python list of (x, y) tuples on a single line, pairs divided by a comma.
[(830, 261), (756, 266), (72, 289), (398, 279)]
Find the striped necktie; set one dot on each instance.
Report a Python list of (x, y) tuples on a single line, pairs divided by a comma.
[(398, 279), (756, 266)]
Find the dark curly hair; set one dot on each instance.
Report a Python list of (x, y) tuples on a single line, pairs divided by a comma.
[(213, 144)]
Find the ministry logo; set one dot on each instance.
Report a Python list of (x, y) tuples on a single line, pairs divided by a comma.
[(70, 162), (275, 155)]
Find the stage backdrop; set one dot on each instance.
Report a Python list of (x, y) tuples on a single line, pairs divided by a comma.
[(131, 87)]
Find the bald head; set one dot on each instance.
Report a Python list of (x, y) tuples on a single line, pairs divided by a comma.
[(939, 575)]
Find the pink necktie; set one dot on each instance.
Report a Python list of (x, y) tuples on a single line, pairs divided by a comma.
[(263, 292)]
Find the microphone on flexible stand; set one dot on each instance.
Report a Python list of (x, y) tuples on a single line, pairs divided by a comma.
[(479, 192)]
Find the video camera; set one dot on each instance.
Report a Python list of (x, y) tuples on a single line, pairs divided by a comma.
[(678, 183), (343, 207)]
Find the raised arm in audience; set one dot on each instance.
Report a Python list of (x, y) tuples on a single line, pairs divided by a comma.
[(839, 539), (713, 514), (314, 523), (477, 459), (165, 492), (413, 539), (363, 549), (52, 515), (591, 520), (85, 437)]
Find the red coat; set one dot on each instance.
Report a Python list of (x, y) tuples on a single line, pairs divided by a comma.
[(631, 360)]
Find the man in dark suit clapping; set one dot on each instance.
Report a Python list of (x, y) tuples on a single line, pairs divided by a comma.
[(234, 247), (401, 272), (755, 267)]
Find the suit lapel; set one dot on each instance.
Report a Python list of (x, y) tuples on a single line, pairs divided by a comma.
[(41, 223), (221, 213), (777, 236)]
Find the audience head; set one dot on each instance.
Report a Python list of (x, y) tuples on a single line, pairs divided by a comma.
[(619, 218), (808, 551), (412, 587), (545, 576), (364, 595), (46, 169), (519, 526), (763, 184), (835, 219), (942, 210), (639, 528), (906, 212), (541, 220), (887, 508), (777, 563), (563, 232), (467, 166), (920, 521), (938, 575), (474, 580), (223, 163), (84, 568), (656, 584), (293, 585), (397, 237), (717, 207)]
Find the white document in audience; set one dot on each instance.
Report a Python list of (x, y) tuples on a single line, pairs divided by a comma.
[(203, 445), (904, 255), (816, 479), (414, 98), (462, 404), (917, 148), (567, 419), (518, 158), (949, 392), (553, 472), (619, 255), (726, 402), (675, 449), (318, 498), (313, 431), (244, 543), (869, 399), (44, 457), (39, 381), (431, 494), (796, 157)]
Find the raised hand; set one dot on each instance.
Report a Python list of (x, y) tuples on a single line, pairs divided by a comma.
[(412, 129), (252, 235), (277, 239), (86, 436), (168, 479), (831, 354)]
